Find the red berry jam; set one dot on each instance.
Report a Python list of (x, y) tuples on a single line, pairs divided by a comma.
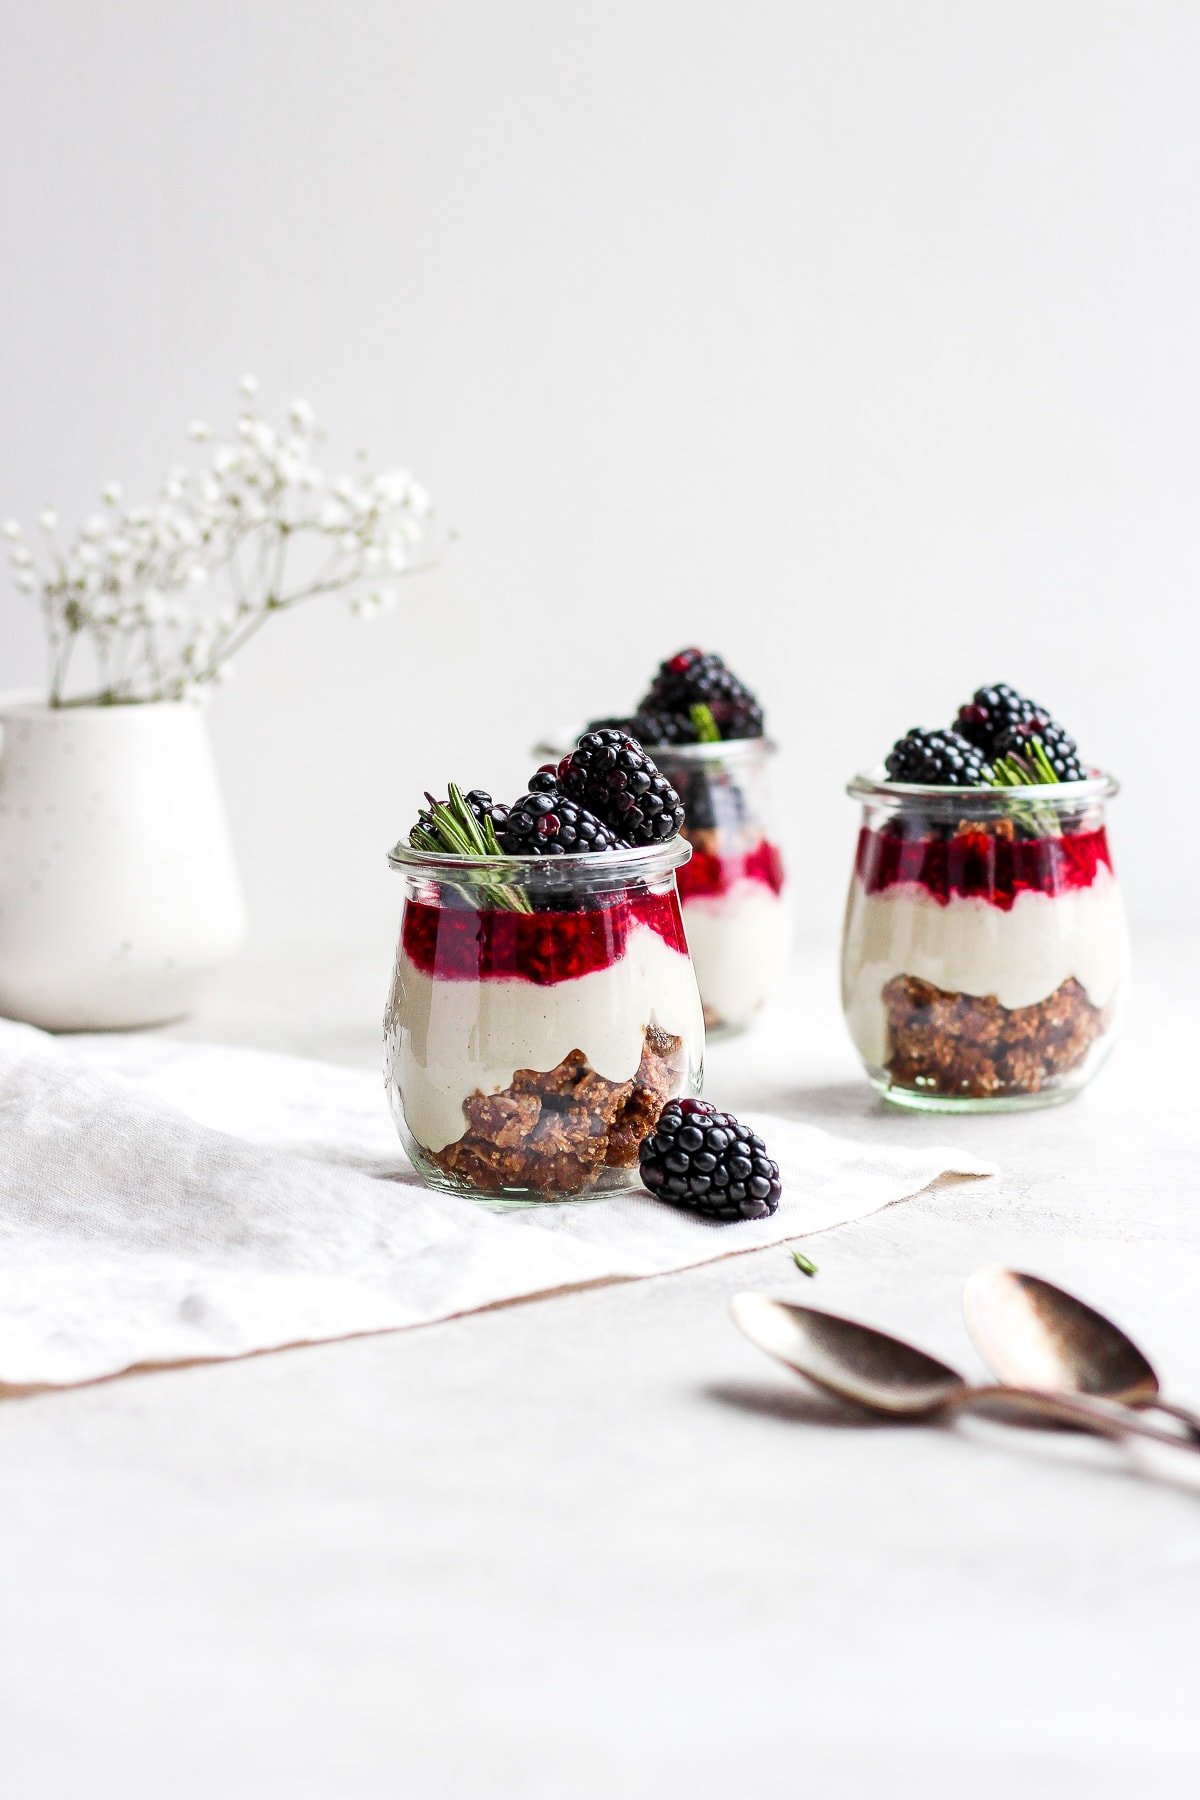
[(460, 944), (978, 865), (707, 875)]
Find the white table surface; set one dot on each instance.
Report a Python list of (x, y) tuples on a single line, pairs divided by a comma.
[(595, 1545)]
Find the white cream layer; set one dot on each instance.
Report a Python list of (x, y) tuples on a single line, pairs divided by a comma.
[(740, 943), (450, 1039), (969, 946)]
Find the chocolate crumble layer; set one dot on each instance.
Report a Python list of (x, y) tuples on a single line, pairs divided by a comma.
[(557, 1131), (946, 1043)]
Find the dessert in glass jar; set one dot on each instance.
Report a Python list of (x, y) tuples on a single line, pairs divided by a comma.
[(704, 728), (543, 1007), (985, 954), (735, 905)]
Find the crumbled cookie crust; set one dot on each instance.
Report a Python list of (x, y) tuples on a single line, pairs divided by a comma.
[(947, 1043), (556, 1131)]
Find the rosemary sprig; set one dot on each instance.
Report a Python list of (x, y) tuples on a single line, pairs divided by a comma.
[(1034, 769), (707, 729), (1030, 769), (803, 1264), (453, 830)]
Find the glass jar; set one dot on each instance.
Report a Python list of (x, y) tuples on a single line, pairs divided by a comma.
[(985, 956), (735, 908), (542, 1012)]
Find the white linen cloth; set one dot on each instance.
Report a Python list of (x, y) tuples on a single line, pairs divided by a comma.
[(163, 1201)]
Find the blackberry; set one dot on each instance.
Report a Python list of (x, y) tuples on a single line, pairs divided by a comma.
[(700, 678), (542, 824), (610, 774), (994, 711), (544, 780), (704, 1161), (937, 759), (652, 729), (713, 801), (1062, 752), (484, 807)]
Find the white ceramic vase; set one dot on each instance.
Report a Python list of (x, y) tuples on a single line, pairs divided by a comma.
[(119, 895)]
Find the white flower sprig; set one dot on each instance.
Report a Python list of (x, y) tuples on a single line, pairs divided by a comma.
[(167, 594)]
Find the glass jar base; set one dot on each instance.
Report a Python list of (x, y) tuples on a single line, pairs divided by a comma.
[(920, 1100), (610, 1184), (508, 1199), (506, 1203)]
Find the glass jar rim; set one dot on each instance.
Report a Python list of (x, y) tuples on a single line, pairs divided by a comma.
[(1064, 796), (742, 749), (592, 869)]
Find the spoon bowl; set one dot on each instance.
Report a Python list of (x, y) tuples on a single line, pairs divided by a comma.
[(843, 1357), (1031, 1332), (1036, 1335)]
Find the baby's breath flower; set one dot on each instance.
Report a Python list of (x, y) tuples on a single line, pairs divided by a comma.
[(248, 386), (289, 468), (141, 574), (393, 485)]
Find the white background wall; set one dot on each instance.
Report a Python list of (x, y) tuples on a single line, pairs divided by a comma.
[(855, 339)]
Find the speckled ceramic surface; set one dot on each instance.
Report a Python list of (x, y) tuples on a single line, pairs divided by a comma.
[(118, 889)]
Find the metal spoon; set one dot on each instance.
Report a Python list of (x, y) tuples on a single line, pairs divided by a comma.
[(1037, 1335), (889, 1376)]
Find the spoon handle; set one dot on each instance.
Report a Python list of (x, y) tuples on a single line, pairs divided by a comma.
[(1172, 1408), (1108, 1418)]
